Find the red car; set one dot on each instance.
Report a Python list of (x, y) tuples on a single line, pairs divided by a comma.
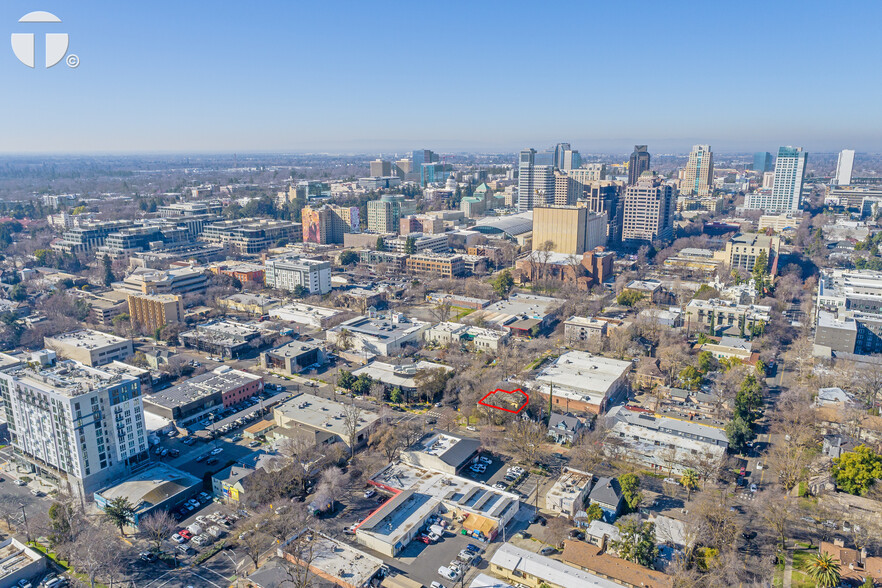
[(424, 539), (185, 534)]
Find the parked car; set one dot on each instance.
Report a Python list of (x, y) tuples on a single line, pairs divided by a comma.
[(486, 460), (185, 549), (202, 458), (254, 444), (147, 556), (448, 573), (473, 548), (20, 482), (425, 539), (37, 493), (437, 585), (370, 492), (212, 461), (547, 550), (177, 538), (186, 533), (753, 487), (216, 450)]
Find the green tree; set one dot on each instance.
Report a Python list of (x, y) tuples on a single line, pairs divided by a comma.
[(760, 268), (348, 258), (630, 484), (706, 362), (346, 380), (823, 568), (636, 542), (109, 278), (749, 399), (689, 480), (119, 511), (629, 298), (362, 385), (18, 293), (594, 512), (410, 245), (397, 396), (43, 256), (739, 434), (691, 378), (299, 291), (869, 582), (381, 244), (503, 283), (856, 471)]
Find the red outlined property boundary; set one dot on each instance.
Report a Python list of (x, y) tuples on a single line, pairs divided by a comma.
[(520, 408)]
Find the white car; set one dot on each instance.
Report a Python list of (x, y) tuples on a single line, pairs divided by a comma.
[(216, 450), (177, 538), (447, 573), (437, 585), (369, 493), (485, 460)]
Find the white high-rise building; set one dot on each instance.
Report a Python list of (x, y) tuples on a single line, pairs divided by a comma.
[(844, 167), (286, 273), (787, 186), (535, 181), (82, 425), (699, 176)]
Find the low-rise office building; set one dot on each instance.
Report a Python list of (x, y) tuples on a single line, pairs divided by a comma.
[(520, 313), (318, 317), (718, 316), (252, 236), (182, 280), (380, 335), (92, 348), (256, 304), (578, 381), (479, 338), (224, 338), (398, 376), (158, 488), (291, 272), (443, 265), (324, 420), (193, 400), (292, 358)]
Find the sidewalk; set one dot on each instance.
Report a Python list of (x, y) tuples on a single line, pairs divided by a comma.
[(788, 568)]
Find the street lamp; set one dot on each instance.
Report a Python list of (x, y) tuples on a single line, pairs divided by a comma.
[(234, 563)]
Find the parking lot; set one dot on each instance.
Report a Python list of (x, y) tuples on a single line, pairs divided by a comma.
[(421, 562)]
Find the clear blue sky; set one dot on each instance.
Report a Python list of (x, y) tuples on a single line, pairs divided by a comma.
[(373, 76)]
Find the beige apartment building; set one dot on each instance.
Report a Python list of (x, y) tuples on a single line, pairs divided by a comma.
[(648, 211), (743, 249), (699, 177), (152, 312)]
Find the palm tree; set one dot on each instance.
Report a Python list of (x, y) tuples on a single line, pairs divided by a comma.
[(689, 479), (824, 570)]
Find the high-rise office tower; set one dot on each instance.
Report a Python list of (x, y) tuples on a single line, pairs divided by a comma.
[(381, 169), (83, 425), (638, 163), (648, 211), (418, 158), (699, 177), (535, 181), (403, 167), (604, 196), (559, 150), (384, 215), (571, 160), (844, 167), (327, 224), (572, 230), (566, 189), (789, 175), (762, 162)]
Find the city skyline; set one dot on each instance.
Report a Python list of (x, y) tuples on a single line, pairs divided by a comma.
[(166, 78)]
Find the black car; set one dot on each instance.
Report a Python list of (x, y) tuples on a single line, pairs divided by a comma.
[(211, 461)]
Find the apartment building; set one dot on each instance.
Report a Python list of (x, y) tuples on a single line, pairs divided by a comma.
[(743, 249), (579, 329), (151, 312), (716, 315), (698, 178), (328, 224), (287, 273), (444, 265), (91, 348), (384, 215), (418, 243), (81, 425)]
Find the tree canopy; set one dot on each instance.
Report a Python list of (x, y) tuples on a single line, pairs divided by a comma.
[(856, 471)]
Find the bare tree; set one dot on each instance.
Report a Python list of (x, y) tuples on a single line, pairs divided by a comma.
[(157, 527), (441, 312), (525, 440), (777, 511), (254, 541), (352, 423), (93, 552), (556, 531)]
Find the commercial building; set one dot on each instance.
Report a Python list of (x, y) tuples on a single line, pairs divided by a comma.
[(743, 249), (730, 348), (104, 306), (79, 424), (378, 335), (421, 223), (192, 401), (19, 564), (726, 316), (787, 187), (578, 381), (536, 182), (442, 452), (527, 568), (185, 209), (380, 168), (394, 262), (780, 223), (289, 272), (666, 444), (256, 304), (478, 338), (572, 230), (844, 167), (699, 174), (331, 562), (153, 311), (323, 420), (183, 280), (402, 376), (648, 211), (223, 338), (158, 488), (443, 265), (240, 270), (638, 163), (691, 260), (418, 243), (853, 197), (89, 237), (310, 315), (92, 348), (520, 313), (292, 358), (457, 300), (421, 493), (849, 311), (251, 236), (762, 162)]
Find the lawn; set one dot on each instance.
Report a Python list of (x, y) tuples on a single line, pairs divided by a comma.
[(800, 578), (464, 312)]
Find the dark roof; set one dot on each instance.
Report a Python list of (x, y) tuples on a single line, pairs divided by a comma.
[(461, 451), (571, 422), (607, 491)]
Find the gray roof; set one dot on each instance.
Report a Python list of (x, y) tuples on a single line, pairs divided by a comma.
[(571, 422), (233, 474), (463, 449), (606, 491)]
